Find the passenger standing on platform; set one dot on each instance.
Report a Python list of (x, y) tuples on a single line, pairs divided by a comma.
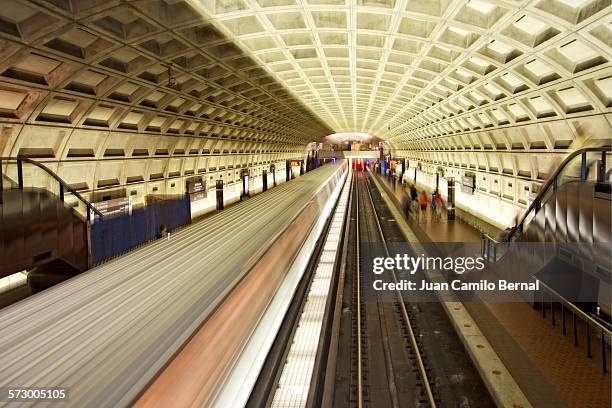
[(439, 204), (406, 204), (423, 201), (433, 205), (164, 232), (413, 193)]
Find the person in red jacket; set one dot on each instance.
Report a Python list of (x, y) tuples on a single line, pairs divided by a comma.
[(423, 202)]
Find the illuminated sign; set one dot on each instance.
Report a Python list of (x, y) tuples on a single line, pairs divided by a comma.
[(116, 206), (468, 183), (196, 187)]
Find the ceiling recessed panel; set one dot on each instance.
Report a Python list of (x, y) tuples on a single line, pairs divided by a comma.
[(362, 65), (390, 68)]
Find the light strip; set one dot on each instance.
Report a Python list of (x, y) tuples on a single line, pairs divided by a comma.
[(239, 383), (12, 281), (294, 382)]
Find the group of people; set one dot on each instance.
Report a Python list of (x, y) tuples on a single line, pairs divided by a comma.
[(415, 204)]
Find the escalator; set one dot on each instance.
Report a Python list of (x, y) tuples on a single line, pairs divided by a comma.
[(43, 224), (564, 238)]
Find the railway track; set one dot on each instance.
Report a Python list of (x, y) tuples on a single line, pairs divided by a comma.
[(394, 352), (380, 374)]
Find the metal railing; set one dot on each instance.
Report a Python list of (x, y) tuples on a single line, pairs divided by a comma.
[(491, 249), (22, 172), (550, 301), (549, 297), (556, 181)]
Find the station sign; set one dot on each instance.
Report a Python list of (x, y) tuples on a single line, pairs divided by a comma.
[(196, 188), (116, 206), (468, 183)]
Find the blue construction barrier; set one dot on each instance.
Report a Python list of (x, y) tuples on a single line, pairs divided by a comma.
[(115, 235)]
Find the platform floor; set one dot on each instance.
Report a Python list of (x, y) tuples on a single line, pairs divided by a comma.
[(437, 230), (550, 370)]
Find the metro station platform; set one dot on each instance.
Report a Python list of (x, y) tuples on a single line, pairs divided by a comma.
[(546, 363), (187, 221), (269, 301)]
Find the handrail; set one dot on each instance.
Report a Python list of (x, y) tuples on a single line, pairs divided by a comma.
[(490, 238), (552, 182), (63, 184), (488, 243), (588, 320), (575, 309)]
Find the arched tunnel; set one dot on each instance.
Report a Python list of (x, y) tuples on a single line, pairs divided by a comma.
[(187, 187)]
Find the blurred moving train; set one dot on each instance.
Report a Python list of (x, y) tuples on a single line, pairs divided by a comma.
[(109, 332)]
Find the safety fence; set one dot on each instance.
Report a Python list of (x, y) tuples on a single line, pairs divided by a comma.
[(112, 236)]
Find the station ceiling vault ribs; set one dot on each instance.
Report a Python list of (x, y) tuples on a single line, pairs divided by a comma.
[(105, 64), (292, 71), (394, 68)]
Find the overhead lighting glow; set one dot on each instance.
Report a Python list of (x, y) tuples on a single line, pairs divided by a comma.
[(349, 136)]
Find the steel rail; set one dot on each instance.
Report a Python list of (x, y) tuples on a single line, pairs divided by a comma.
[(588, 319), (358, 291), (336, 309), (411, 335)]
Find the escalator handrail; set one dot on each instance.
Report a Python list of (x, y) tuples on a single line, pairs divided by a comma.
[(65, 185), (552, 183), (577, 311)]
